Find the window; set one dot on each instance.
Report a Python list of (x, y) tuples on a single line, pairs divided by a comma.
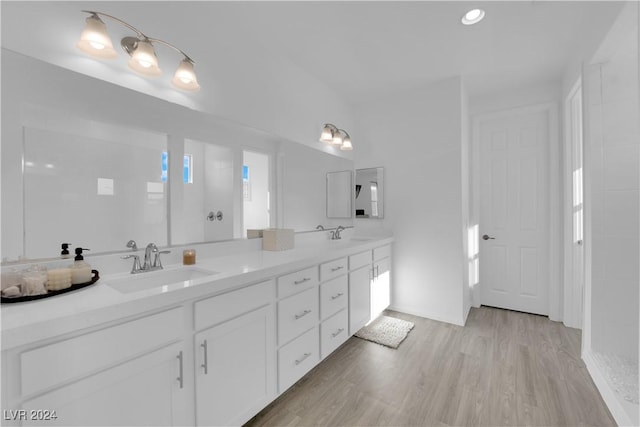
[(187, 170)]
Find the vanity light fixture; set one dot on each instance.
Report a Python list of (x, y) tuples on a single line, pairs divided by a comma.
[(96, 42), (473, 17), (336, 137)]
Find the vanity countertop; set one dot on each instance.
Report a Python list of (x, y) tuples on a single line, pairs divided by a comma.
[(23, 323)]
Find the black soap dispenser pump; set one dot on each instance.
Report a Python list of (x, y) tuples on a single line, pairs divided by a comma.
[(64, 254)]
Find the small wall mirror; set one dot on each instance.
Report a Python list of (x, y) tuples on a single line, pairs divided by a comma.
[(339, 194), (369, 193)]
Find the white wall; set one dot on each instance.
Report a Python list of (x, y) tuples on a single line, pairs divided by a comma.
[(417, 137), (613, 169), (611, 101)]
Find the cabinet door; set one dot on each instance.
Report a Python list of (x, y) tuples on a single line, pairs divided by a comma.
[(359, 298), (380, 287), (148, 390), (235, 369)]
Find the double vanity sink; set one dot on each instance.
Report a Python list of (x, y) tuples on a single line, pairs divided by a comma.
[(181, 338)]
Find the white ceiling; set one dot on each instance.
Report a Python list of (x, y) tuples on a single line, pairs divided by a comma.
[(362, 50)]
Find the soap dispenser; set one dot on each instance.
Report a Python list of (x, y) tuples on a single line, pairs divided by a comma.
[(65, 251), (80, 270)]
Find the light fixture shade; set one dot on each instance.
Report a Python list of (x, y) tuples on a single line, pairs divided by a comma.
[(95, 40), (185, 77), (346, 144), (144, 60), (327, 134), (338, 139)]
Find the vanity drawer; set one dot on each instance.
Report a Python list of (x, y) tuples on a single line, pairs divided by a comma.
[(332, 269), (359, 260), (85, 354), (382, 252), (296, 314), (333, 332), (297, 358), (294, 282), (334, 296), (223, 307)]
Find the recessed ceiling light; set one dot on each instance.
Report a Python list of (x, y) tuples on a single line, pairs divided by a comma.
[(473, 17)]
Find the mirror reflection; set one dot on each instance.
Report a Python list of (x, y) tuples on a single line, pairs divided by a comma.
[(149, 171), (339, 194), (369, 193), (79, 188)]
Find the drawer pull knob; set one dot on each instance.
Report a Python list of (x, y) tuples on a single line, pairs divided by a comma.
[(299, 361), (336, 296), (338, 332), (337, 268), (306, 279), (301, 315)]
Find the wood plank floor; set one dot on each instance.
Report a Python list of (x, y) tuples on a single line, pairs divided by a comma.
[(503, 368)]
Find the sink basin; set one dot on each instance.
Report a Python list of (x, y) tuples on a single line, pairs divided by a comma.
[(181, 277)]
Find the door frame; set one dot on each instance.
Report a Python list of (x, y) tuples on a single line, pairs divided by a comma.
[(573, 308), (555, 289)]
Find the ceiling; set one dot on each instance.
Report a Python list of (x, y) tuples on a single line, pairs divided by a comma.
[(362, 50)]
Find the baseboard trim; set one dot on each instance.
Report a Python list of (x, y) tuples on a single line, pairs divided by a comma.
[(608, 395), (458, 322)]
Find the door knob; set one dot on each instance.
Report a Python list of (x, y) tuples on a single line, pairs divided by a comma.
[(487, 237)]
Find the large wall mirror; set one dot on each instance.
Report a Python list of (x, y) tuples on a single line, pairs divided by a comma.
[(96, 176), (369, 192), (339, 194)]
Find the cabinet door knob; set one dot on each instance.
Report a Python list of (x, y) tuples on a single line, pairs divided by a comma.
[(338, 332), (306, 279), (180, 375), (336, 296), (205, 365), (487, 237)]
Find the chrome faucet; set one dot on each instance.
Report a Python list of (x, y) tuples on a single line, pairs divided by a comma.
[(320, 227), (150, 249), (148, 264), (335, 235)]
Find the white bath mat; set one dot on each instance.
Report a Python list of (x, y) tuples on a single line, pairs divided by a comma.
[(387, 331)]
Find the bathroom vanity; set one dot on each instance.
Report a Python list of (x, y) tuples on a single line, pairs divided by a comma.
[(210, 344)]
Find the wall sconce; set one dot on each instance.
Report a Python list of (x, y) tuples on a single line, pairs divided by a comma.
[(96, 42), (336, 137)]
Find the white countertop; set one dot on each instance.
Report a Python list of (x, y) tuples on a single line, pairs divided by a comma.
[(23, 323)]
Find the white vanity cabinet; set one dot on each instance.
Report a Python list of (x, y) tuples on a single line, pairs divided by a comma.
[(359, 298), (369, 286), (212, 354), (235, 368), (148, 390), (126, 374), (380, 280)]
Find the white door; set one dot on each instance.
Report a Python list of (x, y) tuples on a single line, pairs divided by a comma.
[(514, 213)]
